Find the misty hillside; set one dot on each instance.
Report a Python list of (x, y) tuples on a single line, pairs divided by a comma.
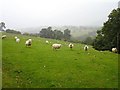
[(80, 32), (76, 31)]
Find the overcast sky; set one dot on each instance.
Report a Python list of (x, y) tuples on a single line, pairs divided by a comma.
[(35, 13)]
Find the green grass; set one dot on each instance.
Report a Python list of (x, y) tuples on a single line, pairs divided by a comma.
[(41, 67), (0, 61)]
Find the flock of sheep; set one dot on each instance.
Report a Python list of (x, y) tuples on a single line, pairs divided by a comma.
[(58, 46), (27, 43), (55, 46)]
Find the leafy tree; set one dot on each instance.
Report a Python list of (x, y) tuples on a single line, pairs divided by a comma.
[(109, 36), (46, 32), (49, 33), (43, 33), (67, 35), (58, 34), (88, 41), (2, 25)]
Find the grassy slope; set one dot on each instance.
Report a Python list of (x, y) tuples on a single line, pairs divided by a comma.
[(40, 66)]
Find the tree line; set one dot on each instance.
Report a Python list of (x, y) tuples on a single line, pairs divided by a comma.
[(13, 31), (45, 33), (55, 34)]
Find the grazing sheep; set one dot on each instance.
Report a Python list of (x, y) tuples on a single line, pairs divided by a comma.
[(16, 37), (17, 40), (114, 50), (86, 47), (4, 36), (47, 42), (28, 42), (71, 45), (56, 46)]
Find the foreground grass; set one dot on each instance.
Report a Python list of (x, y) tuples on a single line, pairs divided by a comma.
[(41, 67)]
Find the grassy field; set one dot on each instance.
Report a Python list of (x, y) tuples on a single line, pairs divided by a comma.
[(41, 67)]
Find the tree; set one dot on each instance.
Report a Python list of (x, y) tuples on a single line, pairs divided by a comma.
[(109, 36), (88, 41), (49, 33), (43, 33), (58, 34), (46, 32), (2, 25), (67, 35)]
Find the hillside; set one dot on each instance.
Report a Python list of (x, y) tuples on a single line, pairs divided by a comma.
[(41, 67)]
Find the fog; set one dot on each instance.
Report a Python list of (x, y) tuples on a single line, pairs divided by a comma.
[(34, 13)]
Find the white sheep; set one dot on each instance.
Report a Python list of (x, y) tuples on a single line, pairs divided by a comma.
[(56, 46), (114, 50), (16, 37), (71, 45), (47, 42), (3, 36), (28, 42), (17, 40), (86, 47)]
